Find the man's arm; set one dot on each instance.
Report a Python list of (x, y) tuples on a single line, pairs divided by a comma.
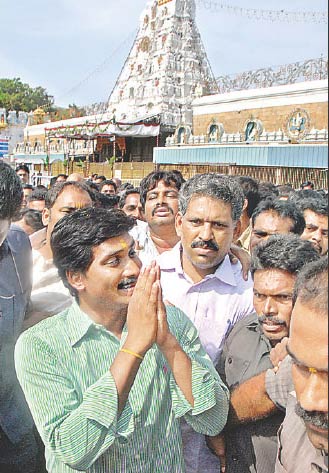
[(80, 428), (262, 395), (250, 402), (142, 322)]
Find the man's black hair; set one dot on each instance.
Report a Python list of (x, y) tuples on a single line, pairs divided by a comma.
[(58, 188), (250, 189), (267, 190), (318, 206), (32, 218), (284, 209), (179, 175), (301, 195), (105, 201), (76, 235), (103, 178), (285, 252), (306, 184), (23, 167), (108, 182), (92, 185), (125, 193), (311, 287), (149, 182), (285, 190), (125, 186), (322, 193), (11, 192), (37, 195), (27, 186)]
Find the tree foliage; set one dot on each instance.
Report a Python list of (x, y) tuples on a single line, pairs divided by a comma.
[(15, 95)]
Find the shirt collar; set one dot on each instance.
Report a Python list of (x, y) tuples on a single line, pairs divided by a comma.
[(171, 260), (225, 272), (78, 323), (4, 248)]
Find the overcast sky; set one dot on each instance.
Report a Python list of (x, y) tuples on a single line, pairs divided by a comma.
[(76, 48)]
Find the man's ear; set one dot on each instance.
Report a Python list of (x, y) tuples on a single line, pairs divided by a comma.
[(76, 280), (178, 224), (245, 205), (237, 230), (45, 216)]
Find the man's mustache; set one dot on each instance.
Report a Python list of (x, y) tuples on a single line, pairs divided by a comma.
[(316, 418), (127, 283), (158, 206), (207, 245), (274, 320)]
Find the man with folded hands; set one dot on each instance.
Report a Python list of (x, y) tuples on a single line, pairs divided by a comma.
[(108, 378)]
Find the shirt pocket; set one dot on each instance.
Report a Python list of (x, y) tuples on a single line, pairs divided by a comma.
[(235, 370), (7, 320)]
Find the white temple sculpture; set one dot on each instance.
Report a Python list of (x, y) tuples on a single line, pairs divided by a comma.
[(166, 69)]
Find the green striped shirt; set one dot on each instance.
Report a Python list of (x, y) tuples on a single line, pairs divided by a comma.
[(63, 366)]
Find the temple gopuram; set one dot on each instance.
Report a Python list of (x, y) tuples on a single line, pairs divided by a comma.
[(167, 110)]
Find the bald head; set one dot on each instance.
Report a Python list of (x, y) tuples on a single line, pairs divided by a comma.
[(75, 177)]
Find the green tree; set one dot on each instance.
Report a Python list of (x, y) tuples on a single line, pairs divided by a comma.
[(15, 95)]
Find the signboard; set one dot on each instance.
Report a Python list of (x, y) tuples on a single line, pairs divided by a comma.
[(4, 146)]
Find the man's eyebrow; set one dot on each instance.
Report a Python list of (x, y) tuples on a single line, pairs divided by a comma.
[(68, 207), (259, 232), (116, 252), (300, 363)]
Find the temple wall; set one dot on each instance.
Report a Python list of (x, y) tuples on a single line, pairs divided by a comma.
[(273, 118)]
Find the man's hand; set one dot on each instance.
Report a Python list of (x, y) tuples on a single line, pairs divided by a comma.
[(239, 254), (142, 316), (278, 353), (163, 334), (217, 446)]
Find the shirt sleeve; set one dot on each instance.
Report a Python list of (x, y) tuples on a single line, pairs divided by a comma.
[(211, 396), (78, 431), (279, 385)]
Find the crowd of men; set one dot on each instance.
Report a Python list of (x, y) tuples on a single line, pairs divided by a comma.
[(181, 326)]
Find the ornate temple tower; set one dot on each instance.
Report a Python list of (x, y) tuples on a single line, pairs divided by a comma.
[(166, 69)]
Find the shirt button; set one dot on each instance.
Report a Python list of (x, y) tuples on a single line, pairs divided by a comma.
[(230, 361)]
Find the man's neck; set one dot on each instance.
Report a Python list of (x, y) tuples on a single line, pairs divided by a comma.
[(112, 320), (164, 237), (245, 222), (193, 272), (45, 250)]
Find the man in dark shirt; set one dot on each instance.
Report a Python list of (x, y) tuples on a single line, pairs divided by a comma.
[(18, 446), (252, 447), (303, 436)]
